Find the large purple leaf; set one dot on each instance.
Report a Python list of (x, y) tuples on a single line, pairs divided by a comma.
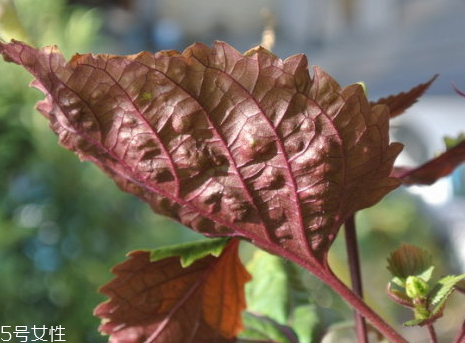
[(228, 144)]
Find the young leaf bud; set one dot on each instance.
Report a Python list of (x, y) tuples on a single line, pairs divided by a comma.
[(416, 287)]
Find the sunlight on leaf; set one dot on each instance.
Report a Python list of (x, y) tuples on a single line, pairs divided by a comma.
[(230, 145), (191, 251)]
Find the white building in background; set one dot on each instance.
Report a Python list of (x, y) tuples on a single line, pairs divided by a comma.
[(300, 24)]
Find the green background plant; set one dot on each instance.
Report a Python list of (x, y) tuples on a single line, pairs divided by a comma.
[(61, 229)]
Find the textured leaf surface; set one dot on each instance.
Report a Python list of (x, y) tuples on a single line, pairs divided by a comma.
[(434, 169), (400, 102), (161, 301), (228, 144)]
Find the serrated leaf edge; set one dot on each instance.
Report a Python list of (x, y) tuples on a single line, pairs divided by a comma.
[(447, 287)]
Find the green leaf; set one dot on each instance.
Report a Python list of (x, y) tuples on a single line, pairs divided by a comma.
[(442, 290), (426, 275), (409, 260), (275, 288), (460, 286), (451, 142), (191, 251), (414, 322), (264, 329), (399, 282), (305, 322)]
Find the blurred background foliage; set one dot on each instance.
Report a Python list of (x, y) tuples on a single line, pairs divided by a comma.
[(63, 224)]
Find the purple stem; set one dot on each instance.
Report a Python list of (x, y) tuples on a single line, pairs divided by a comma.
[(359, 305), (355, 275), (322, 270)]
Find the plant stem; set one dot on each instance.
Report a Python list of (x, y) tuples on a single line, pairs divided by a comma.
[(321, 269), (432, 333), (359, 305), (355, 275), (460, 338)]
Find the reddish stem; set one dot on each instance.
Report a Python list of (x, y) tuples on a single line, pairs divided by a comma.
[(321, 269), (355, 275), (432, 333), (359, 305), (460, 338)]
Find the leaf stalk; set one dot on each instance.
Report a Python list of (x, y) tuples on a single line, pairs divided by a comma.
[(432, 333), (322, 270), (361, 307), (355, 275), (460, 337)]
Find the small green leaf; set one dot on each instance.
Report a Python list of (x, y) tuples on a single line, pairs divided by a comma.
[(409, 260), (414, 322), (399, 282), (460, 286), (305, 322), (450, 142), (442, 290), (416, 287), (191, 251), (426, 275), (275, 288), (265, 330)]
